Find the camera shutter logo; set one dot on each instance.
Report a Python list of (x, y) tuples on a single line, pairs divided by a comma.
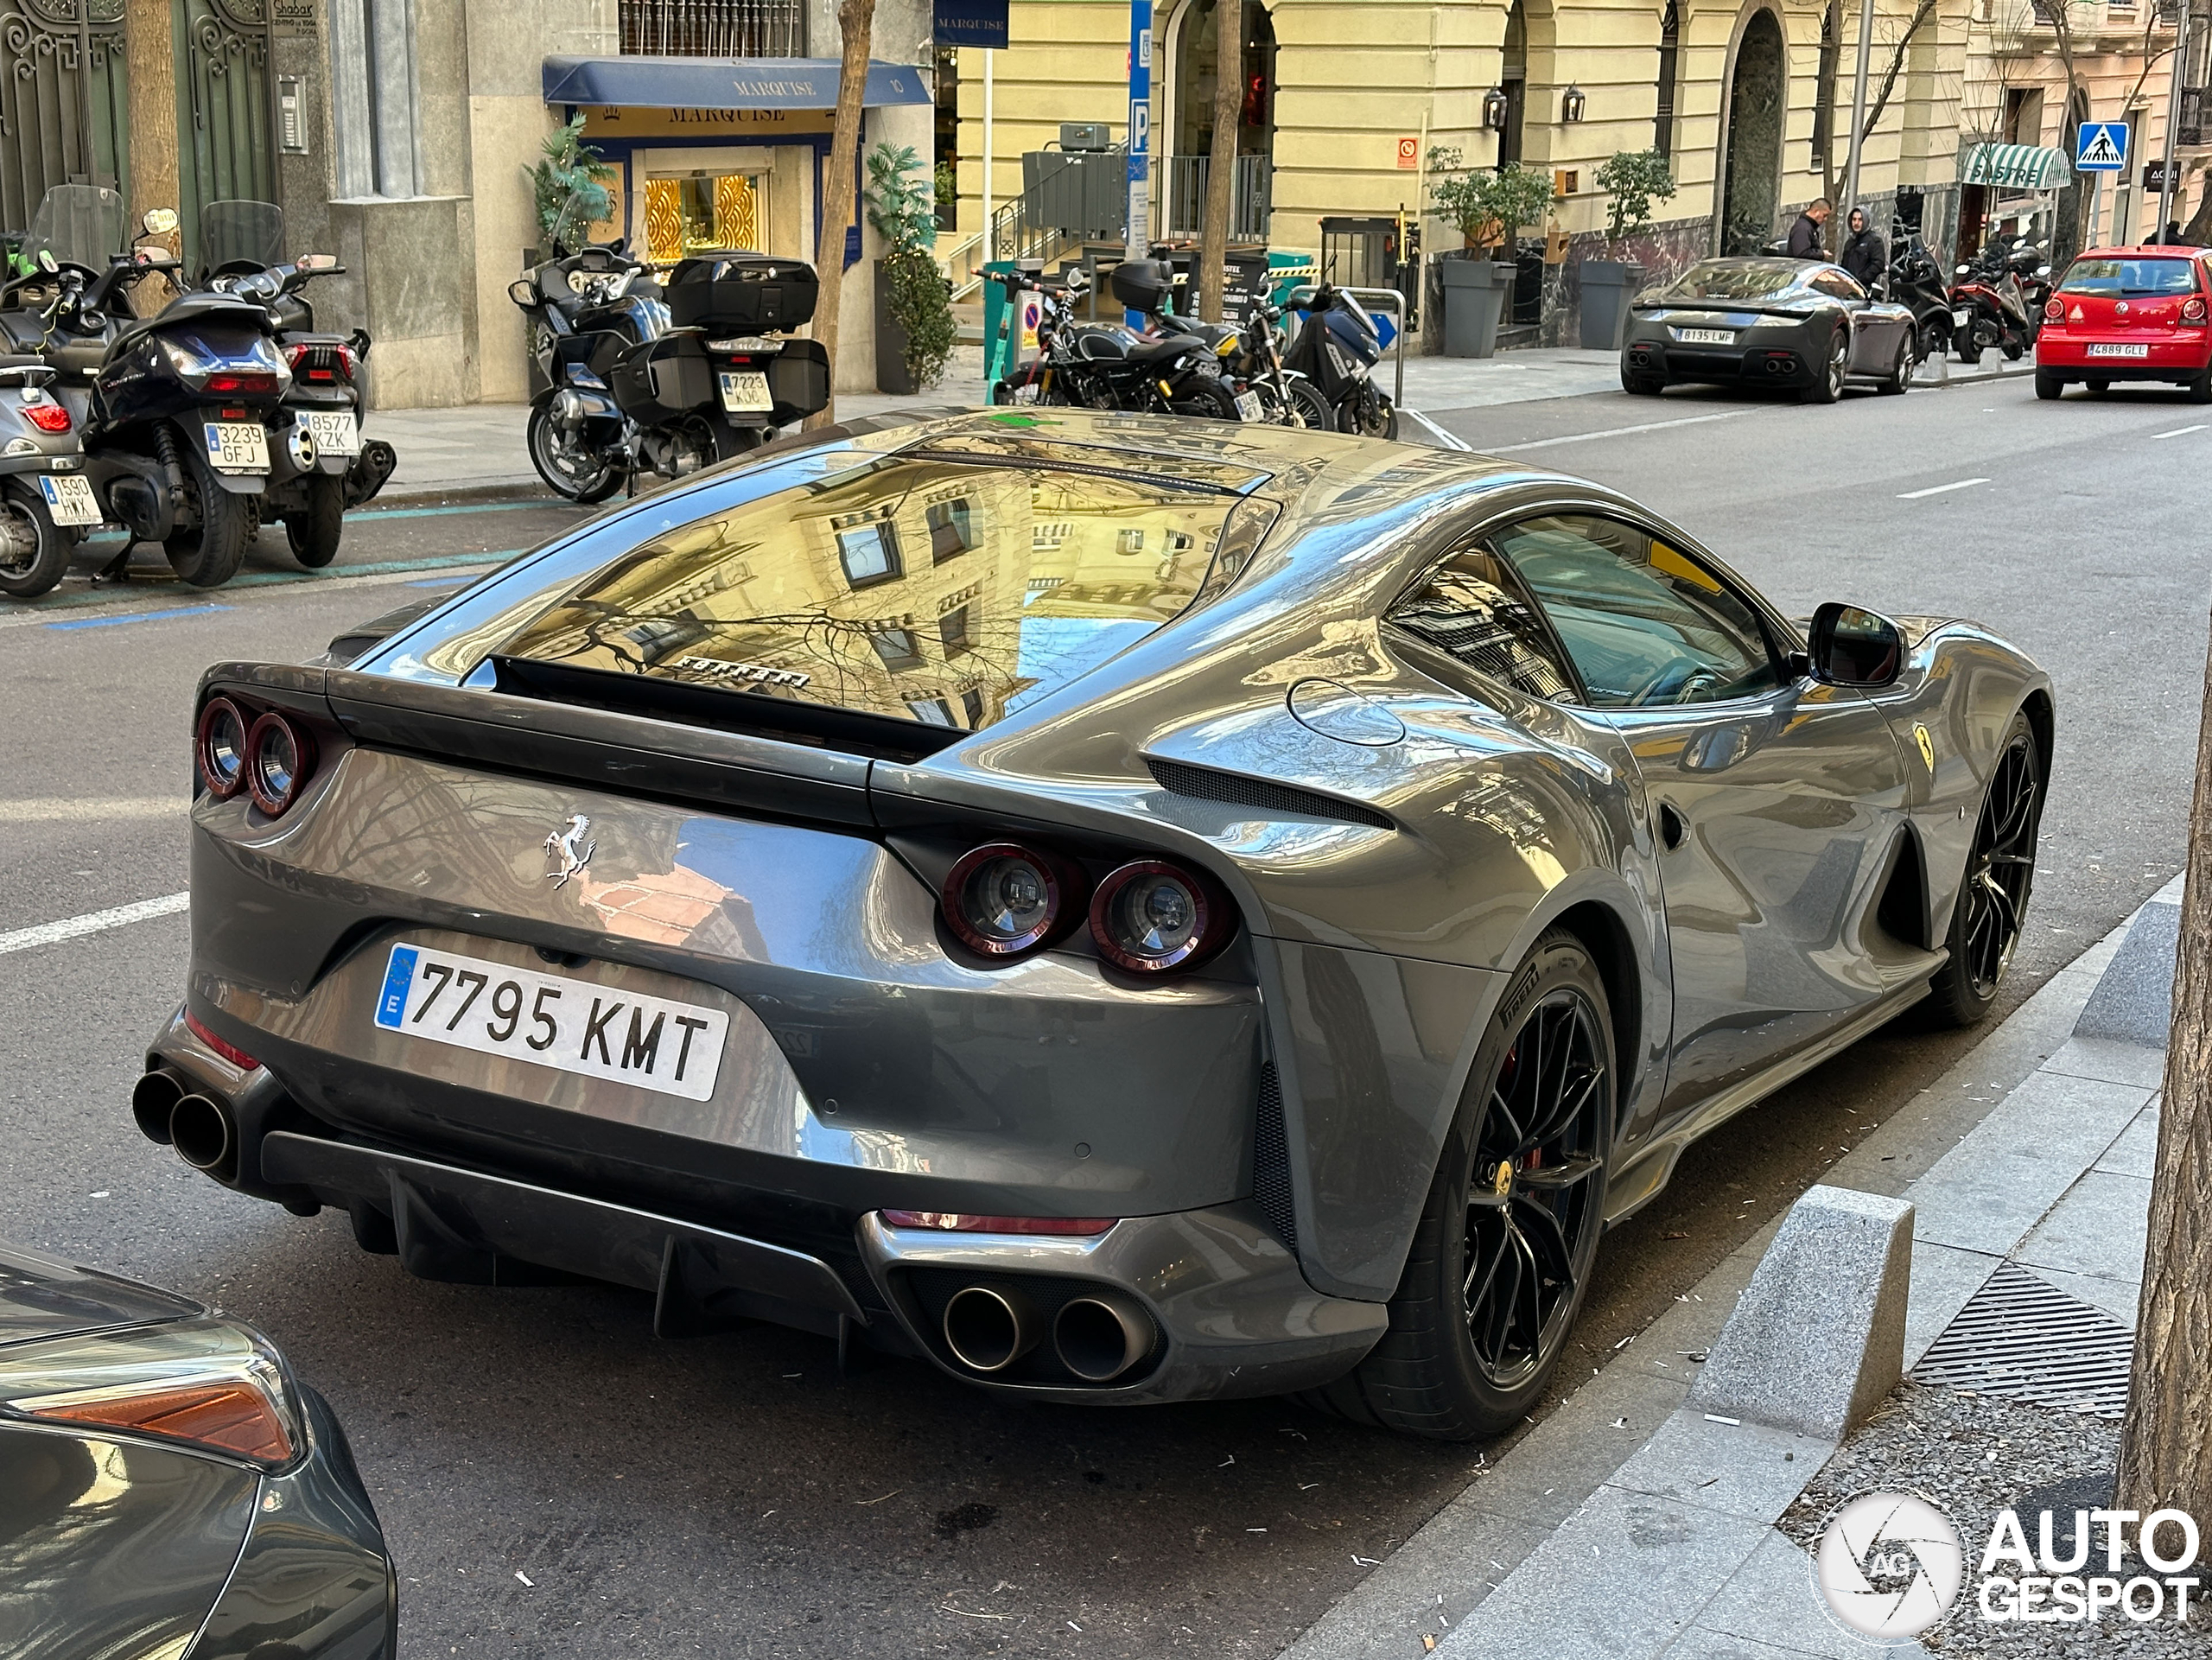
[(1890, 1565)]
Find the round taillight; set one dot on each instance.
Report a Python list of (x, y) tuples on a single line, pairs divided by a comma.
[(2054, 309), (1151, 917), (277, 757), (2192, 309), (219, 748), (1004, 899)]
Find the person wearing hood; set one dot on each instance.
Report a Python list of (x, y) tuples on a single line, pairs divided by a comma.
[(1863, 255)]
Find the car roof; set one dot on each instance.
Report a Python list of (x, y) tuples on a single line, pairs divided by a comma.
[(2144, 251)]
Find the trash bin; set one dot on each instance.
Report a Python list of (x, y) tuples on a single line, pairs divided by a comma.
[(1476, 294)]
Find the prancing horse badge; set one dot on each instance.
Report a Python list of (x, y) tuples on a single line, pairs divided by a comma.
[(569, 847)]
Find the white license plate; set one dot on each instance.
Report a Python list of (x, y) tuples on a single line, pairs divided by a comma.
[(1248, 407), (2108, 349), (69, 498), (550, 1019), (335, 433), (1962, 319), (238, 446), (1705, 336), (745, 394)]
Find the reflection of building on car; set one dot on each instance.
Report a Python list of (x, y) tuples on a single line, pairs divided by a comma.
[(1783, 323), (1313, 889), (2129, 314)]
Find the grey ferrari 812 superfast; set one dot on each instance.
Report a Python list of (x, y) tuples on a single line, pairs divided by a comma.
[(1119, 909)]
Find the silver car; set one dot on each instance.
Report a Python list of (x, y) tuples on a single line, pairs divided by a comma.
[(1117, 908)]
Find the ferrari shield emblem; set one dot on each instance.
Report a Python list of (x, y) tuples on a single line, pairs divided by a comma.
[(1927, 747)]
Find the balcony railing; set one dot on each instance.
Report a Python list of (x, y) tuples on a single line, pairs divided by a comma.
[(1250, 204), (710, 29)]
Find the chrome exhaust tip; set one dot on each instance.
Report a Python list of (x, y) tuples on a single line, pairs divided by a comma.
[(1101, 1336), (153, 1097), (201, 1131), (987, 1330)]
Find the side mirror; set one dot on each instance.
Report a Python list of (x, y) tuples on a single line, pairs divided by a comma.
[(620, 244), (523, 291), (1851, 648), (316, 262), (159, 221)]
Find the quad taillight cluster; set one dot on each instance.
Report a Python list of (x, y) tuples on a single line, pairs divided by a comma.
[(322, 362), (269, 755), (1004, 899)]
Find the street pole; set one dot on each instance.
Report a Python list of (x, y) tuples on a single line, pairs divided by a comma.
[(2173, 113), (1137, 244), (1858, 109), (990, 228)]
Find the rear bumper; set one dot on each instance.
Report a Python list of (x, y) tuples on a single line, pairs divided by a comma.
[(1759, 365), (2168, 360)]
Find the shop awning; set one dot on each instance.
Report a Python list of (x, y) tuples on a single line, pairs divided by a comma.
[(722, 83), (2016, 167)]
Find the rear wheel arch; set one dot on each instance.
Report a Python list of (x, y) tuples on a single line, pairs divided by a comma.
[(1605, 937), (2041, 722)]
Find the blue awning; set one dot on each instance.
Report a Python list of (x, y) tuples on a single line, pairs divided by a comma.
[(722, 83)]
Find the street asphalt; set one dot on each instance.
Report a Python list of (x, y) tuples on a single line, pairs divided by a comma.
[(555, 1482)]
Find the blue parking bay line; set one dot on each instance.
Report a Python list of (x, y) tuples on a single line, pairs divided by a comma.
[(396, 979), (141, 616)]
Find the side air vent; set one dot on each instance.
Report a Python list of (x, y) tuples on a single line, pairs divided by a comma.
[(1271, 1161), (1207, 784)]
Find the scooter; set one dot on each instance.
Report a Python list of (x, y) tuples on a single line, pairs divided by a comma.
[(1916, 280), (46, 506), (244, 244), (1993, 294), (1336, 348)]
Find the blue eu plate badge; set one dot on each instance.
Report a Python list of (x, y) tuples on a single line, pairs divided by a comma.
[(397, 978)]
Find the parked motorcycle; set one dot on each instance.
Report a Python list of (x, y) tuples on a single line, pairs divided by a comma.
[(1108, 365), (1249, 354), (643, 377), (46, 506), (1916, 280), (243, 245), (1336, 348), (1993, 293)]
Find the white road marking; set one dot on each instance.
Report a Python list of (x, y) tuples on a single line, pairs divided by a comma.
[(1939, 489), (94, 922), (58, 810), (1437, 436), (2180, 432), (1610, 432)]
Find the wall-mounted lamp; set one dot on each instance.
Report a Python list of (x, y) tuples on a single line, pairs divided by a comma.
[(1494, 109), (1571, 105)]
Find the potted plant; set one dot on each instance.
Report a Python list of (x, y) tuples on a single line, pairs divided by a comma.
[(569, 167), (914, 331), (1488, 207), (1633, 180)]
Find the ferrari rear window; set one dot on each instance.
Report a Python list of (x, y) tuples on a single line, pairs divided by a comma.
[(923, 586), (1732, 279), (2131, 278)]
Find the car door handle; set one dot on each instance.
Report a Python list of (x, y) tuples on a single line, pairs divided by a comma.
[(1673, 827)]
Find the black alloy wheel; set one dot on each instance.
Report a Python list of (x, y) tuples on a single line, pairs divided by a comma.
[(566, 462), (1829, 385), (1502, 1255), (1992, 908)]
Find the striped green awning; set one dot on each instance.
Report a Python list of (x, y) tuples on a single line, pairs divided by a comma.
[(2016, 167)]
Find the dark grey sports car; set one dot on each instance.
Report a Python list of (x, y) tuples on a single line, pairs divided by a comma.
[(1768, 321), (1122, 909), (168, 1489)]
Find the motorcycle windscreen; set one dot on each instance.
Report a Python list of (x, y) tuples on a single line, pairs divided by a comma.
[(241, 236), (77, 224)]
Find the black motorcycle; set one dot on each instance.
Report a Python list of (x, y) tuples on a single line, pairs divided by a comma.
[(243, 244), (1336, 348), (638, 375), (1916, 280), (1107, 365), (1249, 353)]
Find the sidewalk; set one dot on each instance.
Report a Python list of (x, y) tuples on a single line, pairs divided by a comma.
[(1626, 1527)]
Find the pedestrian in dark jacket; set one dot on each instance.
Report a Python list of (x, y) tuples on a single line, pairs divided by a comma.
[(1805, 234), (1863, 255)]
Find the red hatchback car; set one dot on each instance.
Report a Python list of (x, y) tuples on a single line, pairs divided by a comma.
[(2129, 314)]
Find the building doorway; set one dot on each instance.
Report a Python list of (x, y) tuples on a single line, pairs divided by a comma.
[(1197, 54), (1758, 101), (1513, 81)]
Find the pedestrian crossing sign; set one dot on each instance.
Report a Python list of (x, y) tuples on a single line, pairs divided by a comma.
[(2102, 148)]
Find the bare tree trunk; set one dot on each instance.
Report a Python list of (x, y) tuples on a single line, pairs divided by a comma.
[(2166, 1457), (856, 22), (151, 72), (1221, 172)]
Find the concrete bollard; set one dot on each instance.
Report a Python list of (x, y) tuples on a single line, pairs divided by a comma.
[(1817, 1338)]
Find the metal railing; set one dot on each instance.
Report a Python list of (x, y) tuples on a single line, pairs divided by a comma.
[(1031, 227), (1250, 204), (709, 28)]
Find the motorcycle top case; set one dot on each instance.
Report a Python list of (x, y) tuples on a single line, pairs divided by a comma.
[(657, 380), (1141, 285), (734, 291)]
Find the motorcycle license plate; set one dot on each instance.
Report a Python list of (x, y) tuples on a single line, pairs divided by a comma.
[(69, 500), (334, 433), (1248, 407), (745, 394), (1705, 336), (238, 446), (2106, 349), (1961, 318)]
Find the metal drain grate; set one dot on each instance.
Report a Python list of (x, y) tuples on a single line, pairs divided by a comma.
[(2022, 1338)]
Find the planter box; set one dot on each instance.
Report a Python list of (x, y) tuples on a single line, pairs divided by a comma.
[(1476, 294), (891, 374), (1608, 285)]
